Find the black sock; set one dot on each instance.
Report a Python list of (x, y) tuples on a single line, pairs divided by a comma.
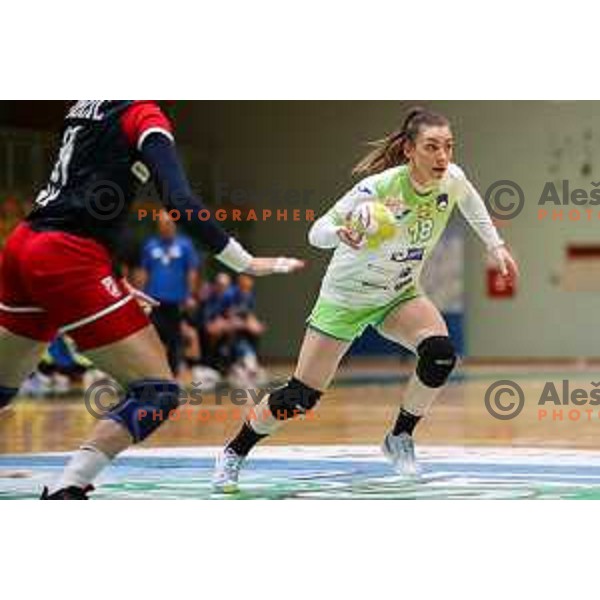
[(245, 440), (405, 423)]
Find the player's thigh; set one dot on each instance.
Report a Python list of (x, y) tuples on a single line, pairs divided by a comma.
[(140, 355), (18, 357), (319, 359), (413, 321)]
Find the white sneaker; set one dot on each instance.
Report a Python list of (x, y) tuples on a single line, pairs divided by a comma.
[(400, 451), (227, 472), (206, 379)]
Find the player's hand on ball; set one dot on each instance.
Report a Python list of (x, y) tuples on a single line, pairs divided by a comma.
[(351, 237), (369, 225), (503, 260), (261, 266)]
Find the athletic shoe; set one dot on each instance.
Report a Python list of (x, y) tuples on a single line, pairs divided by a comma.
[(69, 493), (400, 451), (227, 472), (205, 378)]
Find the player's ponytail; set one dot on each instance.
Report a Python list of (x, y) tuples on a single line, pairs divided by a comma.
[(389, 151)]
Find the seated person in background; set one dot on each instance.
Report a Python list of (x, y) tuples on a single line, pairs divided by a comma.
[(196, 349), (215, 326), (248, 329)]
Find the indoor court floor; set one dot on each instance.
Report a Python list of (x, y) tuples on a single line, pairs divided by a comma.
[(550, 450)]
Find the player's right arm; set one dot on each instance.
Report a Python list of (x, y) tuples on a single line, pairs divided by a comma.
[(476, 214), (150, 130), (332, 228)]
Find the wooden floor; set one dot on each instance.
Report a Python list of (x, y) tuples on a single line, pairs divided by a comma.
[(357, 410)]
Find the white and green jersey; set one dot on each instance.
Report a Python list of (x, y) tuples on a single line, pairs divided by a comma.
[(367, 278)]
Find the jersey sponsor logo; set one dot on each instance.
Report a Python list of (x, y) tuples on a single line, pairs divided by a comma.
[(408, 254), (363, 189), (393, 281), (405, 278), (110, 285), (374, 285), (425, 210)]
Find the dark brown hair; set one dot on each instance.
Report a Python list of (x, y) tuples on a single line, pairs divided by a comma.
[(389, 151)]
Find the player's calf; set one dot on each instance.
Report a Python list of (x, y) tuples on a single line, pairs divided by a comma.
[(436, 359), (146, 405), (293, 399)]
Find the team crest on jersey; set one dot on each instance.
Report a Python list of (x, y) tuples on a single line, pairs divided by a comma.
[(111, 286), (442, 202)]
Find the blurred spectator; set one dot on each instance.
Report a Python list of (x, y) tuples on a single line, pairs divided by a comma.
[(241, 304), (61, 370), (227, 332), (197, 346), (214, 326), (169, 273)]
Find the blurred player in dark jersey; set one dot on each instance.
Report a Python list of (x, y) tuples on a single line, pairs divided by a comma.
[(57, 272)]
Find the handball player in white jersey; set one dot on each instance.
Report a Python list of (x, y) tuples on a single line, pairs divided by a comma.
[(412, 174)]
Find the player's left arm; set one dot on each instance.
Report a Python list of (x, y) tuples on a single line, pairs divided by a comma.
[(148, 129), (473, 209)]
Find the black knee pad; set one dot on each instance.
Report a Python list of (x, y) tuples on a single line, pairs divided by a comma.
[(146, 406), (293, 399), (436, 360)]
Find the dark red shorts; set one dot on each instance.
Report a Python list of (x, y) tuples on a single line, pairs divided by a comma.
[(54, 282)]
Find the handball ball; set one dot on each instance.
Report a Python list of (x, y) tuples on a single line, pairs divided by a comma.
[(375, 221)]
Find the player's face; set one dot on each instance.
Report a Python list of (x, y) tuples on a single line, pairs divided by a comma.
[(430, 154)]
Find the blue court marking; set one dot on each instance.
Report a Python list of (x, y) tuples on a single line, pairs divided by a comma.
[(324, 472), (136, 466), (301, 464)]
